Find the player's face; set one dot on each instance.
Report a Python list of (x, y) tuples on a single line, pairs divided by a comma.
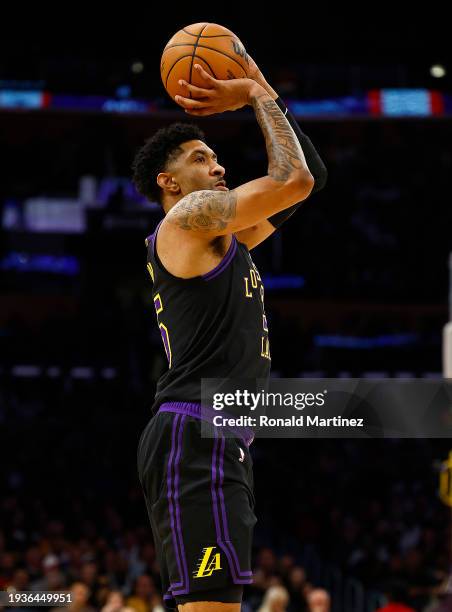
[(197, 168)]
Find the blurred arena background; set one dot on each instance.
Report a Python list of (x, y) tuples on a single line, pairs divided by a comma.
[(356, 286)]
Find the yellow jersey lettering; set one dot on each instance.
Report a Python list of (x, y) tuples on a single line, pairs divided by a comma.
[(158, 303), (209, 563), (166, 342), (265, 352), (150, 270), (163, 329), (257, 273), (253, 278), (248, 293)]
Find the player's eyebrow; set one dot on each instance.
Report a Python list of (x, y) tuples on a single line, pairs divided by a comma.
[(204, 152)]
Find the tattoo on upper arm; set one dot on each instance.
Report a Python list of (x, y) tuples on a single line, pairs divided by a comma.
[(204, 210), (284, 151)]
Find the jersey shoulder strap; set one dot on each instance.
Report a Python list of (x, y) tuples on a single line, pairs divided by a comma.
[(151, 258), (150, 240)]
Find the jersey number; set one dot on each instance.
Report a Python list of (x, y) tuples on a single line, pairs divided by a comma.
[(163, 329)]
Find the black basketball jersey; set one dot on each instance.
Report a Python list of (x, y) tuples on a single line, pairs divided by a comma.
[(212, 326)]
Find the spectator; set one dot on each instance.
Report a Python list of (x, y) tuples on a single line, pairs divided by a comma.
[(266, 570), (319, 601), (276, 600), (296, 584), (145, 597), (89, 576), (80, 597), (20, 581), (53, 578), (115, 603)]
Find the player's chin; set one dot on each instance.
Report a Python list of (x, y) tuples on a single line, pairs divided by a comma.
[(220, 188)]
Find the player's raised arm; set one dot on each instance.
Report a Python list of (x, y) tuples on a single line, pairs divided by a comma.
[(288, 179), (313, 159)]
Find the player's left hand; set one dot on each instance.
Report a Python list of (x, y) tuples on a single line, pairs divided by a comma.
[(216, 96)]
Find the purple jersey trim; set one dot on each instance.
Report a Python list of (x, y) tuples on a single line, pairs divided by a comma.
[(181, 587), (206, 413), (153, 236), (238, 576), (150, 241), (228, 541), (224, 262)]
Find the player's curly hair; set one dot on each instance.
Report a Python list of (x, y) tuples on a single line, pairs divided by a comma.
[(155, 154)]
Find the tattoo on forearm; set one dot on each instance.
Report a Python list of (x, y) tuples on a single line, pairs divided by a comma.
[(204, 210), (284, 152)]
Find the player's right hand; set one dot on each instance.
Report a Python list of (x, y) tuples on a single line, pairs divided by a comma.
[(217, 96)]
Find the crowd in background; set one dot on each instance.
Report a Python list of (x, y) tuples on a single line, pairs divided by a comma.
[(72, 511)]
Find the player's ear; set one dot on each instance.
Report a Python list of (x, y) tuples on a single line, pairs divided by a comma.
[(167, 182)]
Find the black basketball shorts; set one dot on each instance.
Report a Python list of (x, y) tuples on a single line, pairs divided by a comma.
[(200, 500)]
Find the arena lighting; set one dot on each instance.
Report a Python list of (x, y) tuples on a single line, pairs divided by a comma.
[(402, 102), (437, 71), (54, 371), (66, 265), (283, 281), (137, 67), (355, 342), (123, 91)]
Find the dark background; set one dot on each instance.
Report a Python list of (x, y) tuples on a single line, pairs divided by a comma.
[(372, 250), (341, 47)]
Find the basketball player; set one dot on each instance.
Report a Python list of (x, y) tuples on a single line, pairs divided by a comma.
[(208, 297)]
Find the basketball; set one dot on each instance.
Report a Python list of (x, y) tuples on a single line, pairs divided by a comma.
[(218, 50)]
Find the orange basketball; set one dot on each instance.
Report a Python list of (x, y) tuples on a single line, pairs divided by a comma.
[(215, 48)]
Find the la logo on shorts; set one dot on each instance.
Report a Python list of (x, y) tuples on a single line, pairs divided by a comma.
[(209, 563)]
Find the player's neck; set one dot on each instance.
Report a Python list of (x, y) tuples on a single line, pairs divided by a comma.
[(170, 201)]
